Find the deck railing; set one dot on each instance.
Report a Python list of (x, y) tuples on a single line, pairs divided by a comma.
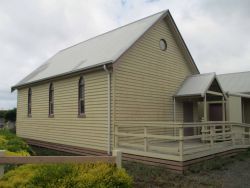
[(180, 141)]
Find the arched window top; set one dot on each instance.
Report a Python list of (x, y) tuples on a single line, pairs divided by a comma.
[(51, 87), (81, 81), (29, 91)]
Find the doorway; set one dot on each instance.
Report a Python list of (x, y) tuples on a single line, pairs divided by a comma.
[(188, 116), (215, 112)]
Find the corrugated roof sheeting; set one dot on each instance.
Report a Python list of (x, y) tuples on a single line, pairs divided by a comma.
[(195, 85), (93, 52), (235, 82)]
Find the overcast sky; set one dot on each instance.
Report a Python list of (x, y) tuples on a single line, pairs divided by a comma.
[(217, 32)]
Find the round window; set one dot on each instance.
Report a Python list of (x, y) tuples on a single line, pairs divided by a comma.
[(163, 45)]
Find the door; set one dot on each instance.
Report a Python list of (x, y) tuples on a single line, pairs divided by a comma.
[(188, 114), (246, 110), (215, 112)]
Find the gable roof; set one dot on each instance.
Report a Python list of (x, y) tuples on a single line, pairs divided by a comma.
[(235, 82), (196, 85), (103, 49)]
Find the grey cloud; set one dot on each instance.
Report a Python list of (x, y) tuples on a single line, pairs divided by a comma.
[(217, 32)]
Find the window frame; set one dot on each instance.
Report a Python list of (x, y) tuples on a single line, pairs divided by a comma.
[(164, 42), (29, 112), (51, 100), (81, 97)]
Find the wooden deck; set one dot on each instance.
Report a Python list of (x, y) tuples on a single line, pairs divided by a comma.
[(170, 141)]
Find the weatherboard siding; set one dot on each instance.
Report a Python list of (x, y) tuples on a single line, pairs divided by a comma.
[(66, 127), (146, 78)]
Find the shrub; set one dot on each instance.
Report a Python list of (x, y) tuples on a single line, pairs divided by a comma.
[(18, 177), (12, 143), (99, 175)]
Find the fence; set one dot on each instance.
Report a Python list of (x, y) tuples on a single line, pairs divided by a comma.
[(115, 159)]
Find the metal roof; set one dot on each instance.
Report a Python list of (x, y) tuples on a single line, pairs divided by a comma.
[(235, 82), (99, 50), (196, 85)]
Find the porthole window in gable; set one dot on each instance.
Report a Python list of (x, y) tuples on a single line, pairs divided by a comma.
[(163, 45)]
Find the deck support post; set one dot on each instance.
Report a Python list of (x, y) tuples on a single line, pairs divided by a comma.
[(181, 139), (205, 107), (223, 109), (204, 128), (174, 117)]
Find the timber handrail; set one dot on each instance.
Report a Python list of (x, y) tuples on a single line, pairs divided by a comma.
[(169, 124), (55, 159), (115, 159)]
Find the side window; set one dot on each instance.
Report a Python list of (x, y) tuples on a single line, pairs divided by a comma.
[(29, 101), (51, 100), (81, 97)]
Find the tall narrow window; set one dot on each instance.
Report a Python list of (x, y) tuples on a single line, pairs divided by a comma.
[(81, 96), (29, 102), (51, 100)]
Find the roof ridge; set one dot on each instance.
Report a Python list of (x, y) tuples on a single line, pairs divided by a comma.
[(194, 75), (164, 11), (234, 73)]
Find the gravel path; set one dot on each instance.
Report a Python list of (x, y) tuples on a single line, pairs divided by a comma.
[(236, 175)]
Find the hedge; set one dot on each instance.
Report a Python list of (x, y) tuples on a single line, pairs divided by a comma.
[(13, 144), (99, 175)]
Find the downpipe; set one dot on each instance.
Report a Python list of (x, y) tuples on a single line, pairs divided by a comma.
[(109, 107)]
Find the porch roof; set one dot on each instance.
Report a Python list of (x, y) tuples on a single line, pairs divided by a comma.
[(239, 95), (235, 82), (196, 85)]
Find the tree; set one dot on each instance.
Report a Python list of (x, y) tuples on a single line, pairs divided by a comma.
[(2, 113), (10, 115)]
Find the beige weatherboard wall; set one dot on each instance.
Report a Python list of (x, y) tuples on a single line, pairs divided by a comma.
[(146, 78), (65, 127), (234, 109)]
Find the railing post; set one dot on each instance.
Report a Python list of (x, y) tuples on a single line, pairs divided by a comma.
[(232, 135), (181, 136), (212, 135), (2, 154), (223, 132), (243, 135), (145, 139), (118, 158)]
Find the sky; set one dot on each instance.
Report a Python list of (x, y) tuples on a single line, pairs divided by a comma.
[(215, 31)]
